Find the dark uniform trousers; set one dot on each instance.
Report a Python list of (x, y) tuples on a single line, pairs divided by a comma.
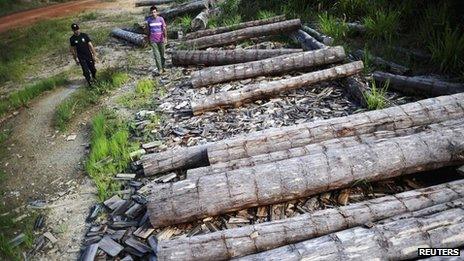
[(88, 69)]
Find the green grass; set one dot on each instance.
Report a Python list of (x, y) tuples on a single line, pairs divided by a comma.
[(184, 22), (382, 25), (333, 27), (80, 100), (375, 97), (265, 14), (447, 49), (109, 154), (142, 97), (20, 98), (89, 16)]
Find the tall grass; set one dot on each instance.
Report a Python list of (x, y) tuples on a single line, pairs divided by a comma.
[(375, 98), (142, 97), (382, 25), (20, 98), (109, 154), (447, 49), (80, 100), (333, 27), (265, 14)]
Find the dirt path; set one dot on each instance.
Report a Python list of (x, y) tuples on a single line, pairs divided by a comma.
[(59, 10)]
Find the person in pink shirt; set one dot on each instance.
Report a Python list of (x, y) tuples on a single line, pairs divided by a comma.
[(157, 37)]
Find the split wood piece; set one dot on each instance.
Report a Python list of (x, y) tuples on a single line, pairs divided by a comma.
[(418, 84), (327, 40), (355, 90), (189, 7), (423, 112), (386, 240), (181, 158), (137, 39), (307, 41), (344, 142), (420, 113), (222, 57), (247, 240), (257, 91), (151, 2), (90, 253), (271, 66), (389, 66), (294, 178), (243, 34), (224, 29), (110, 246), (200, 21)]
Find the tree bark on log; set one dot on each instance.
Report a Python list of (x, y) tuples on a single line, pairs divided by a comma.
[(389, 66), (421, 113), (237, 242), (327, 40), (262, 90), (300, 177), (137, 39), (189, 7), (223, 57), (180, 158), (151, 2), (344, 142), (224, 29), (389, 240), (418, 85), (355, 89), (245, 33), (307, 41), (200, 21), (271, 66)]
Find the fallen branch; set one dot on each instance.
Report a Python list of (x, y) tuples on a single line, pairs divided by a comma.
[(307, 41), (327, 40), (389, 66)]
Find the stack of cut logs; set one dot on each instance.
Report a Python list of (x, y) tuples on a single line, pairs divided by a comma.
[(289, 163)]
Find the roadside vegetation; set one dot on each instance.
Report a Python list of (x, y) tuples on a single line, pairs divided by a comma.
[(79, 101)]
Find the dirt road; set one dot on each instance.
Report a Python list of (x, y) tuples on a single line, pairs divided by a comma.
[(59, 10)]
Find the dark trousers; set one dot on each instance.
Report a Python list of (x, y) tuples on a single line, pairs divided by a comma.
[(88, 69)]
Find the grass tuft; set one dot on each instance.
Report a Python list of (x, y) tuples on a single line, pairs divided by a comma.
[(447, 49), (382, 25), (265, 14), (375, 98), (329, 25)]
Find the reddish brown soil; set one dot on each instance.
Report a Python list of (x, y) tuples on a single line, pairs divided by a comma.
[(59, 10)]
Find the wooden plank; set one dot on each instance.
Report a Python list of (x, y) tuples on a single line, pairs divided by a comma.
[(110, 246)]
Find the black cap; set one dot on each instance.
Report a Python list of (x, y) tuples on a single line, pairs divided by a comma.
[(74, 27)]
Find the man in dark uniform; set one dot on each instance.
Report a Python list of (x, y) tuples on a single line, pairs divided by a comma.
[(83, 53)]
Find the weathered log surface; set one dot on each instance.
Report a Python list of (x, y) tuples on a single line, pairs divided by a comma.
[(222, 57), (275, 65), (180, 158), (355, 89), (137, 39), (389, 66), (344, 142), (251, 239), (262, 90), (419, 85), (151, 2), (200, 21), (327, 40), (188, 7), (224, 29), (299, 177), (394, 240), (307, 41), (423, 112), (245, 33)]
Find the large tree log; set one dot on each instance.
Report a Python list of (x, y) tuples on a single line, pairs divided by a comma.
[(194, 174), (224, 29), (299, 177), (189, 7), (251, 239), (307, 41), (327, 40), (222, 57), (245, 33), (418, 85), (200, 21), (137, 39), (151, 2), (424, 112), (262, 90), (389, 66), (275, 65), (389, 240)]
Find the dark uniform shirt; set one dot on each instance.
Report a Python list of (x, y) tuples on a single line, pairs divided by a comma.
[(81, 42)]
